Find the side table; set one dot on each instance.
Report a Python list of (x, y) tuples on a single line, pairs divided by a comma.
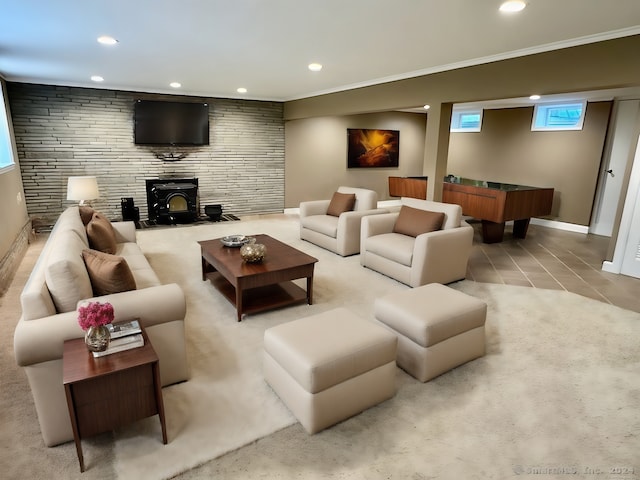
[(108, 392)]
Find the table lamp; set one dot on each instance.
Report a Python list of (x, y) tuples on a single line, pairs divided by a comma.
[(82, 188)]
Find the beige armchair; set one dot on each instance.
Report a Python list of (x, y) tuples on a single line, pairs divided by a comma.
[(335, 231), (415, 259)]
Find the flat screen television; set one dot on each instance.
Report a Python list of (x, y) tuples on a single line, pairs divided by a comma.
[(171, 123)]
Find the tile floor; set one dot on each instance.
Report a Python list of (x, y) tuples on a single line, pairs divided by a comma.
[(553, 259)]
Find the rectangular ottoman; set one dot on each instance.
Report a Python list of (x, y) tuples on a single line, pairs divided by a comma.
[(329, 367), (438, 328)]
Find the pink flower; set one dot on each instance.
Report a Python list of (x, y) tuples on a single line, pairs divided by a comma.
[(95, 314)]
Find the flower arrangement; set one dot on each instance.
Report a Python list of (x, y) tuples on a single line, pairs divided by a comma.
[(95, 314)]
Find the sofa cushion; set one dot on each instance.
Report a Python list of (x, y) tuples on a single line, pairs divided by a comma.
[(70, 220), (143, 273), (392, 246), (86, 214), (101, 235), (65, 273), (325, 224), (414, 222), (340, 203), (108, 273)]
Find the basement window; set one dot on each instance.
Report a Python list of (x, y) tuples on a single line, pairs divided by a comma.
[(6, 146), (466, 120), (558, 116)]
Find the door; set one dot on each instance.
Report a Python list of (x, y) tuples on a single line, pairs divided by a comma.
[(614, 166), (631, 256)]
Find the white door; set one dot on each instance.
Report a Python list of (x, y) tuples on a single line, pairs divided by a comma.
[(612, 174), (631, 256)]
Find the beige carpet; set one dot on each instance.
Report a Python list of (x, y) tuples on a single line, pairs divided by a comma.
[(559, 388)]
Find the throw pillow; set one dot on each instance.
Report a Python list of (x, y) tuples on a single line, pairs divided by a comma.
[(101, 234), (86, 214), (413, 221), (340, 203), (108, 273), (66, 275)]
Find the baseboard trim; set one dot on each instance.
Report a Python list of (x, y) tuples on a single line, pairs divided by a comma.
[(569, 227)]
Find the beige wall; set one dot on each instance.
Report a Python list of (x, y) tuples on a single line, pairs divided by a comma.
[(13, 210), (595, 66), (14, 222), (316, 154), (506, 150)]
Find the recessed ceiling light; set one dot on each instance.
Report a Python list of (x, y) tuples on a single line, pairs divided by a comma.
[(315, 67), (175, 85), (427, 107), (534, 97), (97, 78), (511, 6), (241, 90), (107, 40)]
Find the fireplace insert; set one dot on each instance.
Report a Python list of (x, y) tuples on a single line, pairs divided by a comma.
[(172, 200)]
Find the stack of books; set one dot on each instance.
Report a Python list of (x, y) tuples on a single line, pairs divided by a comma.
[(124, 336)]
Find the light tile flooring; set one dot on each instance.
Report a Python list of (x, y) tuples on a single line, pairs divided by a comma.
[(553, 259)]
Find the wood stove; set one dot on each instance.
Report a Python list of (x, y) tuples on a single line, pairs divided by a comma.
[(172, 200)]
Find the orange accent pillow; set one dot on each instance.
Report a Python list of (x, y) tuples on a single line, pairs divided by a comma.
[(340, 203), (108, 273), (413, 221), (101, 234)]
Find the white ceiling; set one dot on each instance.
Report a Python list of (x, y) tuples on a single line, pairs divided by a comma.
[(212, 47)]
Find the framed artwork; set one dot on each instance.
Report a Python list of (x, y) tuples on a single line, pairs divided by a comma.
[(372, 148)]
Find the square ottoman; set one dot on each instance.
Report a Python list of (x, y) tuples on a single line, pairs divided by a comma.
[(329, 367), (438, 328)]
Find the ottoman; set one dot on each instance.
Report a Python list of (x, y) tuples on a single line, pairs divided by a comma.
[(438, 328), (329, 367)]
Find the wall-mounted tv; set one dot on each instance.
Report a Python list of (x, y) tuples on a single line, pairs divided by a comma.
[(171, 123)]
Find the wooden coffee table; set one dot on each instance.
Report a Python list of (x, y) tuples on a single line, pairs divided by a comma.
[(255, 287)]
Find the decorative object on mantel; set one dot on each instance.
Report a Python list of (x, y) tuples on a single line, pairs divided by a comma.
[(170, 157), (93, 318), (253, 252)]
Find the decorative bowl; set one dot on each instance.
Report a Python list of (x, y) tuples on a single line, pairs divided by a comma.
[(253, 252), (235, 240)]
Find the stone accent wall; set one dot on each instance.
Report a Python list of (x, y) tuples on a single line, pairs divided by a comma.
[(11, 261), (69, 131)]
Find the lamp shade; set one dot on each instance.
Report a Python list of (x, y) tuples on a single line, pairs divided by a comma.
[(82, 188)]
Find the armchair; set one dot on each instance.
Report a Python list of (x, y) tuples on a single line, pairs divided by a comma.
[(438, 256), (339, 234)]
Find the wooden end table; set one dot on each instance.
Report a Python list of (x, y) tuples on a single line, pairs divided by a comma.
[(108, 392)]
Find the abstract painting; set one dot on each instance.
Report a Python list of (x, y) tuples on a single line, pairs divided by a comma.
[(372, 148)]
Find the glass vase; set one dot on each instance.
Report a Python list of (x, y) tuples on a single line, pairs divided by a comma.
[(97, 338)]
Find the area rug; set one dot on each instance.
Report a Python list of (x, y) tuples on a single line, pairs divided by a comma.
[(559, 388), (226, 403)]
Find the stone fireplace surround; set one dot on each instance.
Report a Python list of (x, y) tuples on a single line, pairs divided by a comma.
[(172, 200)]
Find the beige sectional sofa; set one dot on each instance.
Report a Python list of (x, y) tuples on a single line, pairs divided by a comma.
[(58, 282)]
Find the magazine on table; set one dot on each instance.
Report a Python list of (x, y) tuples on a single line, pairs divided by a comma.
[(119, 330), (121, 344)]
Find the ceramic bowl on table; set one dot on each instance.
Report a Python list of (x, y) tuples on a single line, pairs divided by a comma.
[(235, 240)]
